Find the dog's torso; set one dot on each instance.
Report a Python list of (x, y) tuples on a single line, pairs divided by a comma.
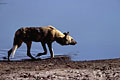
[(38, 34)]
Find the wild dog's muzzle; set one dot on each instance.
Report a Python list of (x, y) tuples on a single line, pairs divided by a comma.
[(73, 42)]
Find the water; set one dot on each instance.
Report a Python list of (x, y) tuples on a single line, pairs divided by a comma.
[(95, 25), (21, 54)]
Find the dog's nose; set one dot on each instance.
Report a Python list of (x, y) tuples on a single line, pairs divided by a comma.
[(75, 42)]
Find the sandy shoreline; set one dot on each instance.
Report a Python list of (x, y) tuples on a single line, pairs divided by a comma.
[(60, 68)]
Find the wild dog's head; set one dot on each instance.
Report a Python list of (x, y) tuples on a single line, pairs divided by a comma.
[(66, 40)]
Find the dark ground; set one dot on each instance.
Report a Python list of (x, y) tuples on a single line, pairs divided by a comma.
[(60, 68)]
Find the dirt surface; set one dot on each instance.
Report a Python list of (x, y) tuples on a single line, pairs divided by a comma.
[(60, 68)]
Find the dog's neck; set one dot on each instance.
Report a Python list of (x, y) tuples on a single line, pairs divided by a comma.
[(59, 37), (59, 34)]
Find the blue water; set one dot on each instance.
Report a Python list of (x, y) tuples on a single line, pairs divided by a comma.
[(21, 55), (75, 53), (94, 24)]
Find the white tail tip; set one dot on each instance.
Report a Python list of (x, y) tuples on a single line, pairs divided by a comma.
[(13, 50)]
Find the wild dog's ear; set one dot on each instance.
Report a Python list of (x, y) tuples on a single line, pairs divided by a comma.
[(66, 33)]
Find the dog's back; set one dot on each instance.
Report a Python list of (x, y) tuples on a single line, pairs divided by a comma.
[(37, 34)]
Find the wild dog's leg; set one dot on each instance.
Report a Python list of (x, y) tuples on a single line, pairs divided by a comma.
[(28, 49), (12, 50), (9, 53), (45, 50), (15, 46), (51, 50)]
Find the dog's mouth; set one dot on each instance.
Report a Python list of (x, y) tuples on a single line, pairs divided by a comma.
[(73, 43)]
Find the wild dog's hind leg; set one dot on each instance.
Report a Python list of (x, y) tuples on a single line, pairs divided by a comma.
[(28, 49), (12, 50), (51, 50), (9, 53), (45, 50)]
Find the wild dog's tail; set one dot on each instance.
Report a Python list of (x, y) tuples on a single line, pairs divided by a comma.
[(13, 50)]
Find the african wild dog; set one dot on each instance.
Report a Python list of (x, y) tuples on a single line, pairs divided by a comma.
[(45, 35)]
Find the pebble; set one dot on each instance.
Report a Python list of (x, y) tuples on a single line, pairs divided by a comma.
[(68, 74)]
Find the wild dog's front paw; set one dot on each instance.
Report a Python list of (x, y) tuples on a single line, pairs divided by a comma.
[(39, 54), (31, 56)]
